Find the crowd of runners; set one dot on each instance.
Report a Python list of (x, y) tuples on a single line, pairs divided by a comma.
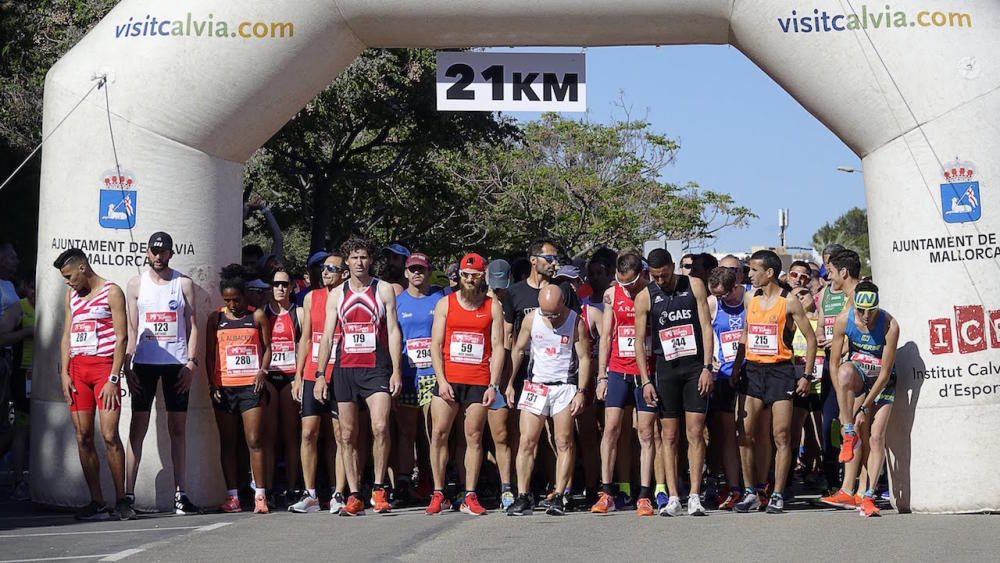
[(618, 382)]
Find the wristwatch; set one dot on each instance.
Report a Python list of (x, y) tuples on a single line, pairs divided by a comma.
[(708, 367), (493, 386), (193, 361), (114, 378), (320, 375)]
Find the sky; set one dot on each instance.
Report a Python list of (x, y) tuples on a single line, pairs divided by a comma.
[(739, 132)]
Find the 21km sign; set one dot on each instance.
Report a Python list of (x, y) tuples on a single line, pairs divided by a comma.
[(468, 81)]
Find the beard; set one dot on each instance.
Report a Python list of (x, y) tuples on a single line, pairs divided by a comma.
[(471, 293)]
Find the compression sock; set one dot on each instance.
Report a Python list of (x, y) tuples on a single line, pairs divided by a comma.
[(661, 488), (625, 488)]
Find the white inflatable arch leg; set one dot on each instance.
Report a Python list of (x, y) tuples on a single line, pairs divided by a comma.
[(196, 87)]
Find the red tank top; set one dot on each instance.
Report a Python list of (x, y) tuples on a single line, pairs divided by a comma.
[(623, 334), (317, 319), (92, 332), (362, 317), (467, 343), (282, 342)]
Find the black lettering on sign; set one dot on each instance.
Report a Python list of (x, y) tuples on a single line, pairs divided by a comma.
[(459, 90), (551, 87), (495, 75), (522, 85)]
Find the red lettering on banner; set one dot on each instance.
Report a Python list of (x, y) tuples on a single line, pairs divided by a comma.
[(940, 336), (970, 328), (995, 328)]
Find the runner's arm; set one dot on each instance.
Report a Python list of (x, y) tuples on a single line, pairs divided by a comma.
[(582, 345), (521, 345), (642, 305), (211, 343), (392, 325), (888, 364), (190, 318), (116, 301), (437, 339), (132, 310), (705, 319), (64, 345), (277, 238), (805, 327), (741, 347), (604, 348), (497, 359), (329, 329), (264, 326), (837, 348), (305, 337)]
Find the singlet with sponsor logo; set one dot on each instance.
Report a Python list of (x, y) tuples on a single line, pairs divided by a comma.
[(622, 334), (160, 311), (362, 318), (769, 334), (317, 320), (676, 328), (728, 328), (831, 304), (92, 332), (238, 348), (285, 331), (553, 351), (467, 345), (865, 348), (416, 318)]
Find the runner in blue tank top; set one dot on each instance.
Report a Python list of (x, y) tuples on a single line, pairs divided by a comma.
[(415, 309), (867, 379)]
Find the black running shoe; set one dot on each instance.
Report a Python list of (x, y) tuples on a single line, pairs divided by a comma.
[(557, 506), (183, 506), (124, 510), (521, 507), (93, 511)]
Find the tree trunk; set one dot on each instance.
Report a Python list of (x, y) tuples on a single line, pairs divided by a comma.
[(320, 231)]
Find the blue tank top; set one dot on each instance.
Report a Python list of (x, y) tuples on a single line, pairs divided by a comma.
[(416, 317), (870, 343), (728, 327)]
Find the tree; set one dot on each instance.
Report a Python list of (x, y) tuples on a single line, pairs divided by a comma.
[(849, 230), (585, 185)]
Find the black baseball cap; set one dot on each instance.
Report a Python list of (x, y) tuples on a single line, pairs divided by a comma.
[(161, 239)]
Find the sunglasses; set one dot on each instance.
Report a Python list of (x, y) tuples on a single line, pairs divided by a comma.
[(470, 275), (549, 315), (732, 269), (631, 283), (330, 268), (797, 275), (283, 284), (549, 258), (686, 266), (417, 270)]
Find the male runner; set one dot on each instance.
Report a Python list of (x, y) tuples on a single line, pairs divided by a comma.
[(867, 378), (95, 333), (770, 375), (162, 345), (416, 318), (468, 327), (617, 385), (702, 265), (395, 256), (366, 368), (675, 309), (725, 305), (560, 353), (799, 274)]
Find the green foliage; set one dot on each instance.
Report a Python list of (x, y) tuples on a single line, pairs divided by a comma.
[(850, 230)]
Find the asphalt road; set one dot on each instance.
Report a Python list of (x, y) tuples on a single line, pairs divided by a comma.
[(803, 533)]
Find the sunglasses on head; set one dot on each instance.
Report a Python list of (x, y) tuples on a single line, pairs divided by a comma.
[(281, 284), (550, 258)]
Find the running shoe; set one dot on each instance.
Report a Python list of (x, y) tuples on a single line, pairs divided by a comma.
[(623, 501), (425, 488), (93, 511), (232, 504), (777, 504), (749, 503), (307, 504), (644, 508), (731, 499), (545, 502), (840, 499), (661, 500), (694, 506), (337, 503), (850, 444), (260, 505), (673, 507), (506, 500), (353, 507), (764, 495), (557, 506), (868, 508), (604, 504), (124, 510), (380, 501), (471, 505), (184, 506), (437, 502), (522, 506), (401, 497)]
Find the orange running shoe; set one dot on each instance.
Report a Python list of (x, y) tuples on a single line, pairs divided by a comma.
[(231, 505), (841, 499), (868, 508), (734, 496), (260, 505), (380, 501), (471, 505), (644, 508), (605, 504), (354, 507), (437, 499), (847, 448)]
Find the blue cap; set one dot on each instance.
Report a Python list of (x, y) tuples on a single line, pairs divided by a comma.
[(397, 248), (316, 258), (569, 272), (498, 274)]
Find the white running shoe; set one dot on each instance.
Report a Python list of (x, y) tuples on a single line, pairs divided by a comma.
[(694, 506), (750, 503), (306, 505), (673, 507), (337, 503)]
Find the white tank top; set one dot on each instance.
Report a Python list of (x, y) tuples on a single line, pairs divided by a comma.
[(553, 354), (162, 332)]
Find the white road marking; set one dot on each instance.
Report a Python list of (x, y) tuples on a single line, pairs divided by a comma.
[(122, 554), (100, 532), (57, 558), (211, 527)]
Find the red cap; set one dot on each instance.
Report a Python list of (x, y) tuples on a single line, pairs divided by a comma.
[(418, 259), (472, 261)]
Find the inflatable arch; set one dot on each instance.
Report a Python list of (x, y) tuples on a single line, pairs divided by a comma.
[(195, 87)]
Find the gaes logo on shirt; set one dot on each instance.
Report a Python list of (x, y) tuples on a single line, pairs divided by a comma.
[(960, 201), (119, 200)]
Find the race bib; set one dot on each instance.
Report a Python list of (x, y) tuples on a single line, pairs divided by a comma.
[(283, 356), (314, 349), (868, 364), (359, 338), (763, 339), (162, 326), (828, 323), (83, 338), (626, 342), (817, 372), (242, 360), (678, 342), (730, 342), (533, 397), (467, 347), (418, 350)]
